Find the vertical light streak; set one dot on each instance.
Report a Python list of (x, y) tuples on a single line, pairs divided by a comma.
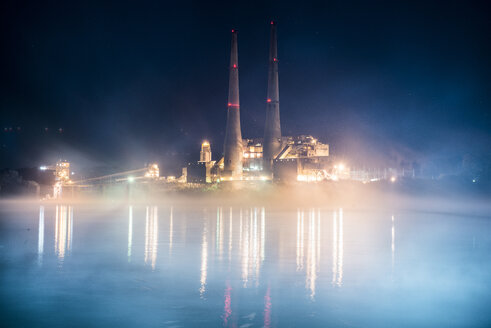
[(255, 249), (334, 248), (57, 214), (62, 231), (240, 231), (147, 225), (171, 230), (219, 233), (204, 258), (263, 232), (245, 254), (311, 271), (151, 236), (341, 246), (41, 235), (267, 308), (227, 307), (70, 231), (130, 231), (318, 236), (298, 239), (230, 234), (393, 244)]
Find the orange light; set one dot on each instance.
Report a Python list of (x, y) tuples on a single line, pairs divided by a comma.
[(269, 100)]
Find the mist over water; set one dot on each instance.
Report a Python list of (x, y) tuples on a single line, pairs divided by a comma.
[(238, 265)]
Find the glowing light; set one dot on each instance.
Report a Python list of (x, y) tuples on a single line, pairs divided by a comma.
[(43, 168), (204, 259), (269, 100), (275, 59), (131, 179), (227, 310), (130, 232), (235, 65), (341, 167), (152, 171), (63, 230), (337, 250), (41, 235), (151, 235), (393, 179)]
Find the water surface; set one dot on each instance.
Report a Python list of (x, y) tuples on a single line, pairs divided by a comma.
[(164, 266)]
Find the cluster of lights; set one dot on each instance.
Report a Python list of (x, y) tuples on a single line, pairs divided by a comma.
[(153, 171)]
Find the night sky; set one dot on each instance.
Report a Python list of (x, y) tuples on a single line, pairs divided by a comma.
[(132, 82)]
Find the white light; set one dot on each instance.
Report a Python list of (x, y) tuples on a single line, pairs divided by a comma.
[(43, 168), (131, 179), (393, 179)]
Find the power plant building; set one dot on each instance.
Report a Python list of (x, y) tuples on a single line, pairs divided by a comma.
[(272, 157)]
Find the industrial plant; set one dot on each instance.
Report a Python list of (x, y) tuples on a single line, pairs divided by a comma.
[(271, 157)]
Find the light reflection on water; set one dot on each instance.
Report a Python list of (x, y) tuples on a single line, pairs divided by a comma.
[(63, 231), (248, 266)]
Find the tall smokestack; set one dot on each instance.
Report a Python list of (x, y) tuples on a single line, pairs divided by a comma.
[(272, 129), (233, 136)]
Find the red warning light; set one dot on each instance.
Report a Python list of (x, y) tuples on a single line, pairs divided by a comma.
[(235, 65), (272, 23), (275, 59), (233, 31), (269, 100)]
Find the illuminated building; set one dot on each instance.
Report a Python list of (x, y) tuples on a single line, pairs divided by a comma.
[(302, 158), (202, 171), (153, 171), (62, 171), (252, 158), (205, 153)]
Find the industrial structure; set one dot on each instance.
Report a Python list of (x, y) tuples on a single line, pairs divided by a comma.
[(233, 137), (272, 157), (272, 128)]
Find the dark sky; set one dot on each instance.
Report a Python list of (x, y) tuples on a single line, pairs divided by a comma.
[(130, 82)]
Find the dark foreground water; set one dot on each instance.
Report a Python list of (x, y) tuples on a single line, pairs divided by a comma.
[(160, 266)]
